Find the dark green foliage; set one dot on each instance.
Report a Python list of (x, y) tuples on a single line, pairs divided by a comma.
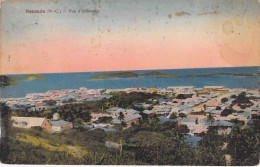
[(184, 96), (124, 100), (242, 100), (227, 111), (148, 143), (233, 96), (173, 116), (123, 124), (50, 102), (243, 106), (236, 121), (144, 117), (210, 118), (218, 108), (121, 116), (105, 119), (224, 100), (209, 151), (182, 115), (5, 131), (244, 145)]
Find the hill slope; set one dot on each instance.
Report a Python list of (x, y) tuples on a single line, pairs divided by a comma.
[(9, 81)]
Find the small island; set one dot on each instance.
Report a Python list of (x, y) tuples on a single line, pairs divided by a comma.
[(11, 81), (114, 75), (156, 74), (30, 77)]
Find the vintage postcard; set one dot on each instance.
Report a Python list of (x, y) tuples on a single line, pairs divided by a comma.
[(130, 82)]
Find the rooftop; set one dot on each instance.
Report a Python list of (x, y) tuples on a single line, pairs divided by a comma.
[(59, 122)]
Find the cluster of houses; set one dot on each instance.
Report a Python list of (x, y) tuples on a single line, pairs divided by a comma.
[(50, 125), (194, 110), (130, 116), (192, 107), (37, 101)]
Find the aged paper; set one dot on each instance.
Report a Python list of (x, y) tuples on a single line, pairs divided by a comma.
[(143, 82)]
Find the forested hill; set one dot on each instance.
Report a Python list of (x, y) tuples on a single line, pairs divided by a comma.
[(9, 80)]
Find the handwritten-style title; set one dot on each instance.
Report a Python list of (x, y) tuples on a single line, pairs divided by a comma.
[(60, 11)]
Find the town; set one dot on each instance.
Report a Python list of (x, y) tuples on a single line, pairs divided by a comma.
[(198, 108), (128, 124)]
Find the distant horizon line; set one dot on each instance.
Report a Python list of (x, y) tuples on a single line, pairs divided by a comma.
[(135, 70)]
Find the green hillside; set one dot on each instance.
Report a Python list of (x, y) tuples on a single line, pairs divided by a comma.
[(9, 81)]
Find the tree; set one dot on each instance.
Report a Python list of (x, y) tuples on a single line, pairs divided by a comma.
[(244, 146), (123, 124), (133, 124), (151, 147), (181, 96), (121, 116), (182, 115), (242, 99), (233, 96), (227, 111), (224, 100), (173, 116), (144, 117), (86, 116), (77, 121), (209, 150), (210, 119), (105, 119)]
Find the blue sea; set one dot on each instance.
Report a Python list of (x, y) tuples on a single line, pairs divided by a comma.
[(58, 81)]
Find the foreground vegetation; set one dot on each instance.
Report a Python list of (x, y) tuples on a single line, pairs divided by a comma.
[(149, 143)]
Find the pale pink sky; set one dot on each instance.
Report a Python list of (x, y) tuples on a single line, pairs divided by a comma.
[(194, 41)]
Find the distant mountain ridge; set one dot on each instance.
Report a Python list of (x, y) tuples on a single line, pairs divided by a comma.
[(8, 80), (162, 75)]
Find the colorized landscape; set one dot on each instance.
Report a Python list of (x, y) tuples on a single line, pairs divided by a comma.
[(145, 125), (110, 82)]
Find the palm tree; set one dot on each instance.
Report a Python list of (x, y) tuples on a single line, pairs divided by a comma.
[(210, 119), (121, 116)]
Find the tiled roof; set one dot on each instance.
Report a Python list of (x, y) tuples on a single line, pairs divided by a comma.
[(222, 123), (27, 122), (59, 122), (132, 117), (147, 112)]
